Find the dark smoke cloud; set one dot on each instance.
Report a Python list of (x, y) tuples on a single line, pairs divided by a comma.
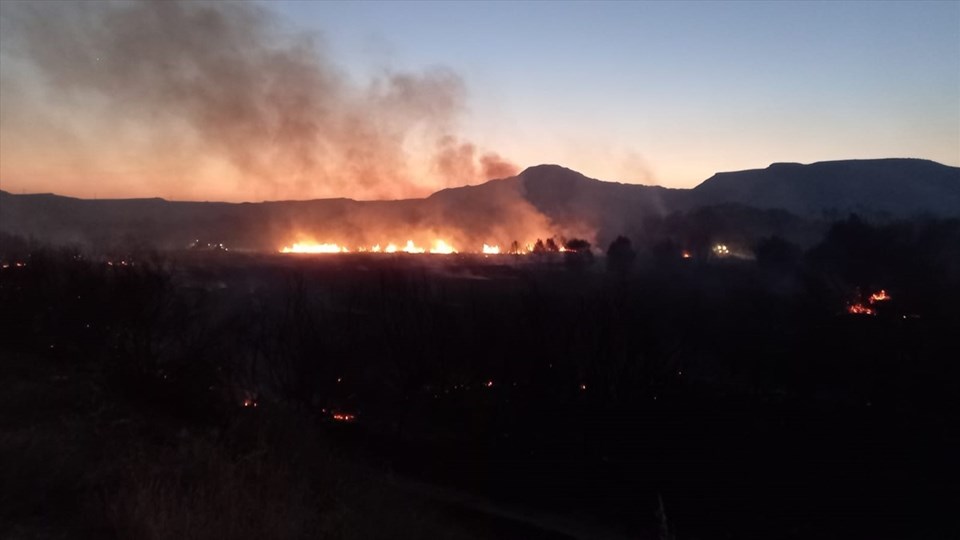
[(241, 88)]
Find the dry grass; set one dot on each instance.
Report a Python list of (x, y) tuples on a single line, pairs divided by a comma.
[(266, 477), (199, 490)]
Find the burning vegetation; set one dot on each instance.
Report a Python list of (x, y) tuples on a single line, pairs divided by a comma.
[(442, 247), (868, 307)]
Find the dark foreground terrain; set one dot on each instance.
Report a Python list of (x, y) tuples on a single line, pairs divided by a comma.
[(220, 395)]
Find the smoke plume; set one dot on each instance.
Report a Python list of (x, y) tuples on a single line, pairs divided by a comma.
[(221, 97)]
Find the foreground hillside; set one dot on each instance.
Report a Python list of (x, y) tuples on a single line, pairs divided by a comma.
[(800, 394)]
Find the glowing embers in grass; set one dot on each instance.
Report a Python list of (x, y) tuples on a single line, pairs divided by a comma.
[(343, 417), (879, 296)]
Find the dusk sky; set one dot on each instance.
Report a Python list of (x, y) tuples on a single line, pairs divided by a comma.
[(653, 93)]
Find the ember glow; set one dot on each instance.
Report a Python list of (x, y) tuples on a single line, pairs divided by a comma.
[(879, 296)]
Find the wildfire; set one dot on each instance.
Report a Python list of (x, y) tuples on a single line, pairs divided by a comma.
[(438, 246), (442, 248), (343, 417), (860, 309), (305, 247)]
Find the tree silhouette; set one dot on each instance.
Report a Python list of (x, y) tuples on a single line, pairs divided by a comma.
[(620, 255), (578, 254)]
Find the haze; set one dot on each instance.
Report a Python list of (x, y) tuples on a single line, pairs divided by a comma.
[(298, 100)]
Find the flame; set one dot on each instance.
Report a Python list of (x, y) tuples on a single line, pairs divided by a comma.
[(310, 247), (412, 248), (686, 255), (438, 246), (343, 417), (861, 308), (442, 248)]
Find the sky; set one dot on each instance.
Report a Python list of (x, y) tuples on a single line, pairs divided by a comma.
[(450, 93)]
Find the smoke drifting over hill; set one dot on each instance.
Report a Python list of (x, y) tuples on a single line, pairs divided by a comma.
[(192, 93)]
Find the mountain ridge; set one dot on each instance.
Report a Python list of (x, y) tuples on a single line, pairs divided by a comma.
[(548, 199)]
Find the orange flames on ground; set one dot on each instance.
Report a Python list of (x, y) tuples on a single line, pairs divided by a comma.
[(438, 247), (859, 308), (309, 247)]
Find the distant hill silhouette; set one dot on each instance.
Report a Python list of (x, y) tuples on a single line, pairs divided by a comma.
[(548, 196), (899, 187)]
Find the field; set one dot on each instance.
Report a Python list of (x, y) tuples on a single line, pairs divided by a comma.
[(217, 394)]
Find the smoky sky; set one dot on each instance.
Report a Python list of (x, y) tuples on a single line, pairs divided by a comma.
[(187, 93)]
